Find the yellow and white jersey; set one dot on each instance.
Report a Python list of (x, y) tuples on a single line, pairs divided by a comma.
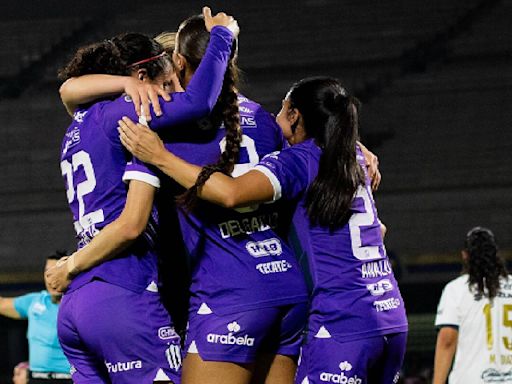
[(484, 348)]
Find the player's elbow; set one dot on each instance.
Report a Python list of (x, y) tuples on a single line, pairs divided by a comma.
[(130, 231), (447, 338)]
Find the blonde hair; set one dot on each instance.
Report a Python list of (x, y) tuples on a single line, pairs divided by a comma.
[(167, 40)]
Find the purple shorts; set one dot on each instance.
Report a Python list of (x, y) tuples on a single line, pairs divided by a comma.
[(375, 360), (113, 335), (240, 337)]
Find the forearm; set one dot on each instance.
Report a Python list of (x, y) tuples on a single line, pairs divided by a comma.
[(7, 308), (106, 245), (87, 88), (204, 88), (443, 362)]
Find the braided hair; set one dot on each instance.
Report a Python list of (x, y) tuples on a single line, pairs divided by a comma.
[(116, 56), (484, 266), (192, 42)]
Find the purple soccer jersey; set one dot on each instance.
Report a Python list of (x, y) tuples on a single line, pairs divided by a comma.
[(239, 261), (93, 162), (355, 294)]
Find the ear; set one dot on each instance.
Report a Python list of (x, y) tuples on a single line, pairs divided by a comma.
[(293, 116), (465, 255), (142, 74), (179, 61)]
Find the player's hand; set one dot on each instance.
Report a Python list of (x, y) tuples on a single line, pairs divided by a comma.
[(141, 141), (58, 277), (143, 95), (220, 19), (372, 164)]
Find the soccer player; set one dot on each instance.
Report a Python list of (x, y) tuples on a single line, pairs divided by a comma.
[(474, 317), (248, 305), (112, 324), (46, 359), (357, 325)]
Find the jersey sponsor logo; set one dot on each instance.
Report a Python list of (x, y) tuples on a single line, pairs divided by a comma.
[(269, 247), (342, 377), (248, 225), (380, 287), (274, 267), (247, 121), (492, 375), (387, 305), (272, 155), (242, 99), (167, 333), (79, 116), (373, 269), (123, 366), (245, 109), (73, 138), (230, 338)]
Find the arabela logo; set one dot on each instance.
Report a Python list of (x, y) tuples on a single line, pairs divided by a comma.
[(233, 327), (341, 378), (230, 338)]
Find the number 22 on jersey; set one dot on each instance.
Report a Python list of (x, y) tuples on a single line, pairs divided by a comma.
[(81, 189)]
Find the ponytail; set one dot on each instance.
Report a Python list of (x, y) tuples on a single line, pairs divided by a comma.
[(484, 265)]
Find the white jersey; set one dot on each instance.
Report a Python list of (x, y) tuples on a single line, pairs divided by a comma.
[(484, 348)]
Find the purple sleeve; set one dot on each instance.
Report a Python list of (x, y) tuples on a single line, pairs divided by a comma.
[(204, 88), (287, 171), (137, 170), (262, 116), (196, 102)]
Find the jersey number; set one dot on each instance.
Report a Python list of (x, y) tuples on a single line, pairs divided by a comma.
[(239, 169), (358, 220), (83, 188), (507, 322)]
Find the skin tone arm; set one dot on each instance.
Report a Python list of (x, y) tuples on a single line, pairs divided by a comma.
[(87, 88), (111, 240), (250, 188), (7, 308), (445, 350)]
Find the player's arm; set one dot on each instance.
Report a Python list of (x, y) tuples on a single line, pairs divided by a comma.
[(85, 89), (445, 351), (7, 308), (249, 188), (111, 240)]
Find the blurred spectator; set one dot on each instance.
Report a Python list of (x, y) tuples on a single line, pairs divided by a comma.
[(47, 363)]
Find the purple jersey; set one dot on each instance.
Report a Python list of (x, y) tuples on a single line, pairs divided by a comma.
[(355, 294), (93, 162), (239, 261)]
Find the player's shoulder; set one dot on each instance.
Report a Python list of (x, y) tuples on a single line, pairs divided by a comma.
[(458, 285)]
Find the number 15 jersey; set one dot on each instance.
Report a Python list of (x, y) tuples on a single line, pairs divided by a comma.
[(484, 346)]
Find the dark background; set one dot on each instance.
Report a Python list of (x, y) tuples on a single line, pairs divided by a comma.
[(435, 78)]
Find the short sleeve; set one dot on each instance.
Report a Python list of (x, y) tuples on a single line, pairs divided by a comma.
[(22, 303), (448, 309), (137, 170), (287, 171)]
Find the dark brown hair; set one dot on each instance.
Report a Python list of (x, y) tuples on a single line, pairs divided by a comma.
[(331, 117), (192, 42)]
